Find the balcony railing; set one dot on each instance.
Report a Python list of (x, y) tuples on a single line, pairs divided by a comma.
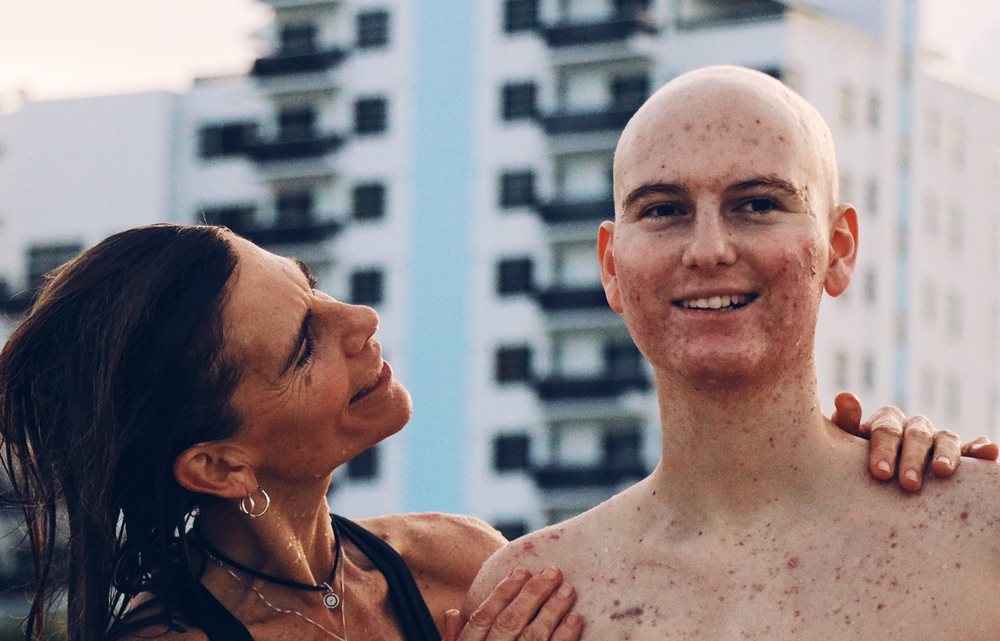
[(567, 211), (611, 119), (565, 477), (734, 12), (555, 388), (614, 29), (567, 298), (294, 149), (282, 64), (288, 234)]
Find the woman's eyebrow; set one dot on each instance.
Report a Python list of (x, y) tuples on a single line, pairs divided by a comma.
[(297, 346), (304, 268)]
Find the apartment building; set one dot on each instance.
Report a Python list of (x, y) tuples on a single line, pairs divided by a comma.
[(450, 167)]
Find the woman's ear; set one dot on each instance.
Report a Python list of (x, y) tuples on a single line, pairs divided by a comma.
[(843, 250), (215, 468), (609, 271)]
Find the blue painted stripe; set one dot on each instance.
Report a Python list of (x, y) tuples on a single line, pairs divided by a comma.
[(438, 287)]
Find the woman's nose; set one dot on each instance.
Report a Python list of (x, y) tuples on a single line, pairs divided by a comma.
[(359, 324)]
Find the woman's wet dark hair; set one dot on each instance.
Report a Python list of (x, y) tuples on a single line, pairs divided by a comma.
[(116, 370)]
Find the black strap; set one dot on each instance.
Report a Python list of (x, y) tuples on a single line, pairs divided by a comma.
[(408, 604), (212, 617)]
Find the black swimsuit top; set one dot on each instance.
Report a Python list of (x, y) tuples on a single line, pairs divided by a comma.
[(204, 611)]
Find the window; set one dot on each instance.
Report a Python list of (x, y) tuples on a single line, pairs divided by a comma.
[(517, 189), (871, 197), (513, 364), (294, 208), (622, 448), (847, 105), (239, 218), (956, 144), (840, 369), (928, 387), (952, 398), (622, 360), (229, 139), (366, 287), (514, 276), (368, 201), (929, 307), (520, 15), (519, 100), (511, 529), (844, 188), (955, 227), (371, 115), (373, 29), (871, 285), (628, 92), (42, 259), (953, 307), (868, 372), (874, 109), (297, 39), (298, 123), (364, 466), (511, 452)]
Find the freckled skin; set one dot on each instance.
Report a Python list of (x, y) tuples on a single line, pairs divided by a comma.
[(760, 521)]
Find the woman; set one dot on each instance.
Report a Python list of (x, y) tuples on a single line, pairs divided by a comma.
[(183, 397)]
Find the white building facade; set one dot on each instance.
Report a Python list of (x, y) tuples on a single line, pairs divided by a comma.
[(448, 163)]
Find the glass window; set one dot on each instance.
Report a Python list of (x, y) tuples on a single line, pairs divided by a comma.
[(294, 208), (297, 39), (511, 452), (517, 189), (520, 15), (373, 29), (228, 139), (364, 466), (42, 259), (513, 364), (519, 100), (368, 201), (366, 287), (239, 218), (628, 92), (297, 123), (514, 276), (371, 115)]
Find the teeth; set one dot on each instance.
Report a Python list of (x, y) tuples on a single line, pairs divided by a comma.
[(716, 302)]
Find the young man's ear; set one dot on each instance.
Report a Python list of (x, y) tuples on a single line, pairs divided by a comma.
[(215, 468), (843, 250), (609, 272)]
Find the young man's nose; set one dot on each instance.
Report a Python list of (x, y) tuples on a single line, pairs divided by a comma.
[(709, 244)]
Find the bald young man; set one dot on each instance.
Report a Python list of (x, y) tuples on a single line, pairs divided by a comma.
[(758, 522)]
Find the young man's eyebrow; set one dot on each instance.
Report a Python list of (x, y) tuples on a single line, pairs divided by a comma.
[(766, 182), (662, 189)]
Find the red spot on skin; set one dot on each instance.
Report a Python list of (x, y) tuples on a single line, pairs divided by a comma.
[(554, 536), (617, 603), (527, 546), (631, 613), (793, 563), (964, 516), (880, 606), (758, 587)]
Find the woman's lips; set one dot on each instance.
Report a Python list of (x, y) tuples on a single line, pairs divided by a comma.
[(383, 379)]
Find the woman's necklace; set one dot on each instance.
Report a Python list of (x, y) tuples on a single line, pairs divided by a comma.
[(330, 598), (260, 595)]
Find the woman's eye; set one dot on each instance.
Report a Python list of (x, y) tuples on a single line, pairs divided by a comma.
[(758, 206), (663, 210), (308, 348)]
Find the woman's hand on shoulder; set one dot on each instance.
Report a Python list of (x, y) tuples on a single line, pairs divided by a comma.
[(907, 443), (522, 607)]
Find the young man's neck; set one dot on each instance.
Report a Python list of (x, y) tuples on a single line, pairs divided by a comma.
[(736, 449)]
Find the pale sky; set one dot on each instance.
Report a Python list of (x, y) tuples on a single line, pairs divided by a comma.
[(65, 48)]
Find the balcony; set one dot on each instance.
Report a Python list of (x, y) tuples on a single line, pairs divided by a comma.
[(570, 298), (289, 234), (283, 64), (610, 30), (294, 148), (716, 13), (559, 388), (573, 211), (603, 475), (613, 119)]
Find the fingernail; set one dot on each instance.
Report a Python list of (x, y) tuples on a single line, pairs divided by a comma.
[(910, 475), (883, 466), (549, 573), (945, 460), (565, 591)]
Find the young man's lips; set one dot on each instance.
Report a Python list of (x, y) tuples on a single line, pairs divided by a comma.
[(383, 378)]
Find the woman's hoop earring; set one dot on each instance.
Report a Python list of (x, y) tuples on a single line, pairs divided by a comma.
[(248, 505)]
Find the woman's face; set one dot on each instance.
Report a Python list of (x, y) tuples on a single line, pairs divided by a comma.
[(314, 390)]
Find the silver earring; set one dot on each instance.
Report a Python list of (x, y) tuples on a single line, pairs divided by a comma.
[(248, 505)]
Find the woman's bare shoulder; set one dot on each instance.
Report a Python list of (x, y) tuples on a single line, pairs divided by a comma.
[(161, 632), (435, 531)]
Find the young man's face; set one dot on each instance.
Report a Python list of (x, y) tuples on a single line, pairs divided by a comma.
[(722, 244)]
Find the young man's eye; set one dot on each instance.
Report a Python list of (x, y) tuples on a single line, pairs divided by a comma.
[(663, 210), (758, 206)]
